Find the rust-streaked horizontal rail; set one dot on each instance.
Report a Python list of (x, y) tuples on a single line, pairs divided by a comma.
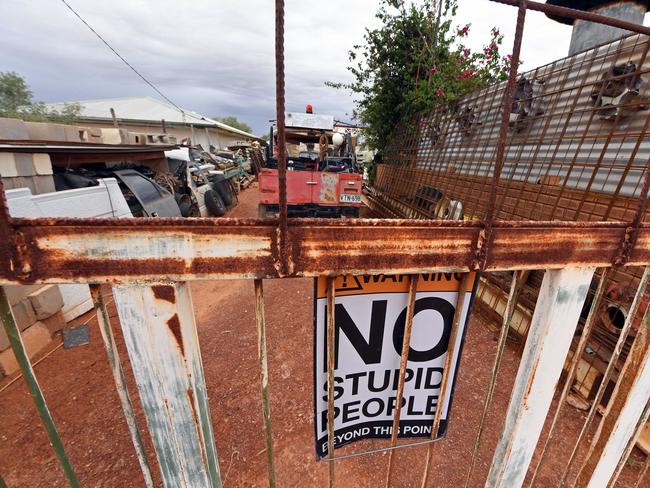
[(128, 250), (580, 14)]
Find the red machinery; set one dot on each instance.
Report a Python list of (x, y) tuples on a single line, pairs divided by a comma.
[(322, 175)]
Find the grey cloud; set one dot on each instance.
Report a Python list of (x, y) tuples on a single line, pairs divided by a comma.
[(213, 57)]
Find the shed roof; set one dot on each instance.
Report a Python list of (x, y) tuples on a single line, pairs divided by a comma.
[(145, 109)]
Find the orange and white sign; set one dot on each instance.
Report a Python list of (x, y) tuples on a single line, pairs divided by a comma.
[(370, 317)]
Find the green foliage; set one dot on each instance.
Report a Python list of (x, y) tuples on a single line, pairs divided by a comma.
[(265, 137), (413, 63), (233, 122), (16, 102), (14, 92)]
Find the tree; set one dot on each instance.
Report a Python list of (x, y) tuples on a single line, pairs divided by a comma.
[(415, 61), (16, 102), (14, 92), (265, 137), (233, 122)]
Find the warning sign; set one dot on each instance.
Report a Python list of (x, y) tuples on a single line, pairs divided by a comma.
[(370, 317)]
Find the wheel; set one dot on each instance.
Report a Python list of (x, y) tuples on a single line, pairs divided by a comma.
[(187, 206), (214, 203), (223, 188)]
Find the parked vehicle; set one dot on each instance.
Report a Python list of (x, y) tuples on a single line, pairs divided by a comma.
[(145, 197), (322, 175)]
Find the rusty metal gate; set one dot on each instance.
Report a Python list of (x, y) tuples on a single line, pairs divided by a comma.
[(149, 263)]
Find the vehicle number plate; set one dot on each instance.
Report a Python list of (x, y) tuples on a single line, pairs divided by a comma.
[(350, 198)]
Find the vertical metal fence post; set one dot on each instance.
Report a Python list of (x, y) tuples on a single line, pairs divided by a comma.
[(556, 315), (515, 287), (120, 382), (571, 374), (264, 377), (406, 345), (640, 293), (455, 336), (160, 336), (626, 409), (281, 145), (34, 388), (331, 364)]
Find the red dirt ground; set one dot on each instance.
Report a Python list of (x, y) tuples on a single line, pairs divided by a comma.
[(79, 388)]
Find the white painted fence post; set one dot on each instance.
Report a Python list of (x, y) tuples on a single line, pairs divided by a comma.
[(627, 412), (160, 335), (554, 321)]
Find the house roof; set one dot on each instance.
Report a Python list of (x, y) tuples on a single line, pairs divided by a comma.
[(145, 109)]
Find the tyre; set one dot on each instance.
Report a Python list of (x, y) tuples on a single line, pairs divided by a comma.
[(188, 209), (223, 188), (214, 203)]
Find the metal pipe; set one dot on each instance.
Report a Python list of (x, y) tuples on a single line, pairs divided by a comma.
[(406, 345), (638, 298), (264, 376), (444, 383), (579, 14), (515, 288), (120, 382), (34, 389), (483, 243), (331, 364), (282, 146)]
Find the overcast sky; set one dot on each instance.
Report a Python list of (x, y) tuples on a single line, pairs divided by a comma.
[(216, 57)]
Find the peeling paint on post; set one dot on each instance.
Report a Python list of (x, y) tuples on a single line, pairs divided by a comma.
[(626, 409), (160, 335), (560, 301)]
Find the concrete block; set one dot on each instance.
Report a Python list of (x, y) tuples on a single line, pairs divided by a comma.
[(56, 132), (17, 293), (38, 131), (41, 164), (72, 133), (55, 323), (137, 138), (46, 301), (8, 167), (43, 184), (19, 182), (24, 164), (4, 340), (35, 338), (24, 314), (13, 130), (115, 136)]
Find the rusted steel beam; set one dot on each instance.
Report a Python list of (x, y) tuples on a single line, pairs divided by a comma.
[(125, 250), (579, 14)]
